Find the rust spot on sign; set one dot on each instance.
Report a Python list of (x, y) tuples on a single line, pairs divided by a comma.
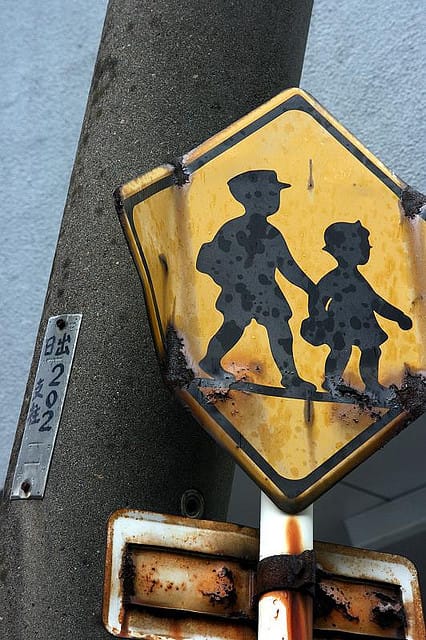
[(180, 173), (127, 574), (221, 394), (388, 612), (358, 606), (413, 203), (224, 590), (362, 400), (177, 372), (147, 579), (329, 597), (412, 394)]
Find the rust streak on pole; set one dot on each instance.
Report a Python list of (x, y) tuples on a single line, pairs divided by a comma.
[(285, 614)]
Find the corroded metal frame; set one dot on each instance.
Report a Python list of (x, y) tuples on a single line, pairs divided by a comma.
[(357, 591)]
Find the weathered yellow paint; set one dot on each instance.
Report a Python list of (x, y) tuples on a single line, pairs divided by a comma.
[(328, 184)]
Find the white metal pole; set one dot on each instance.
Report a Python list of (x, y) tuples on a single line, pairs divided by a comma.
[(284, 615)]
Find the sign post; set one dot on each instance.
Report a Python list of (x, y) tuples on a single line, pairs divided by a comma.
[(286, 545)]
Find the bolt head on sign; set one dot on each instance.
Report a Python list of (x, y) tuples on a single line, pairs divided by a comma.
[(282, 269)]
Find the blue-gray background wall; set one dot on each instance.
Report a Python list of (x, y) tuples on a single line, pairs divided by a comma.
[(47, 53), (364, 61)]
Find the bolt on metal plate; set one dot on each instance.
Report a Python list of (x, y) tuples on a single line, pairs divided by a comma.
[(45, 407)]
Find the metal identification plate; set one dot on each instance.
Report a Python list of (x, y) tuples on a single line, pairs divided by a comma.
[(45, 409)]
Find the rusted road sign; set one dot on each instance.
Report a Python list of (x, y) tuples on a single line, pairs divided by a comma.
[(171, 577), (282, 267)]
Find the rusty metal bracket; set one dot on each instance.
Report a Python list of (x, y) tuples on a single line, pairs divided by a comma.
[(287, 572)]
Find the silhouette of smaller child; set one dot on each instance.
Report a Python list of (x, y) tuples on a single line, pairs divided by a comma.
[(341, 313)]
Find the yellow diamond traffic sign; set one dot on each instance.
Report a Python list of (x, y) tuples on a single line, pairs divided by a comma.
[(282, 269)]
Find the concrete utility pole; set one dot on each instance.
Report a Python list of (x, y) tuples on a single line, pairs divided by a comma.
[(168, 75)]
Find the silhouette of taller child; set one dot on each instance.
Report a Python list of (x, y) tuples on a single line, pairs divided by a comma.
[(242, 259), (342, 314)]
